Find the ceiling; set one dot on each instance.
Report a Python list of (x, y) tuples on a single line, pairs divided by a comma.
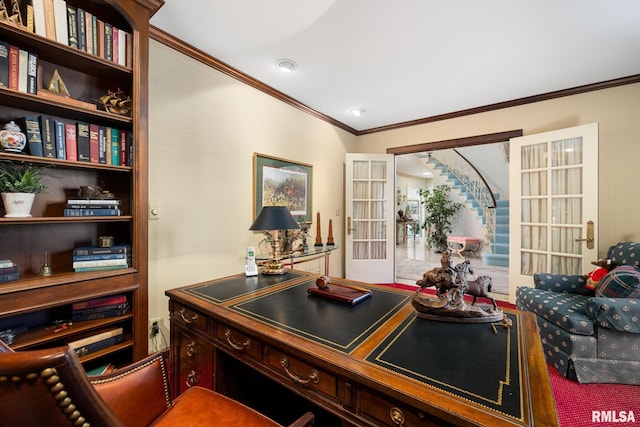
[(407, 60)]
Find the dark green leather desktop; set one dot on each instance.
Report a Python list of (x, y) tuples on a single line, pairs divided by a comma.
[(374, 363)]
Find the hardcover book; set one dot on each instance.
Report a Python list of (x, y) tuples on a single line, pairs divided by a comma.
[(92, 212), (60, 18), (94, 146), (81, 317), (100, 263), (49, 20), (106, 267), (341, 293), (9, 270), (38, 17), (32, 73), (48, 134), (9, 277), (95, 250), (82, 29), (99, 257), (108, 41), (82, 136), (97, 342), (34, 138), (14, 59), (99, 302), (115, 147), (70, 141), (72, 26), (111, 202), (61, 143), (102, 309), (4, 64), (23, 61)]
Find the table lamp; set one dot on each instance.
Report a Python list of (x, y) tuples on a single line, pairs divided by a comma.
[(271, 220)]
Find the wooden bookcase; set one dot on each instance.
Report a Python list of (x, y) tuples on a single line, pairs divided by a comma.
[(36, 301)]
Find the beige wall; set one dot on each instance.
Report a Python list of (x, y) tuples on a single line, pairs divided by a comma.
[(204, 128)]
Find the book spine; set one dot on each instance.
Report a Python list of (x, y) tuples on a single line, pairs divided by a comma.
[(77, 258), (49, 20), (82, 137), (100, 38), (9, 270), (99, 302), (71, 141), (94, 148), (72, 26), (32, 73), (23, 66), (122, 47), (92, 212), (9, 277), (82, 30), (119, 249), (92, 348), (38, 17), (61, 143), (6, 263), (47, 132), (101, 309), (115, 147), (14, 59), (128, 50), (60, 18), (4, 64), (102, 145), (89, 32), (129, 148), (90, 206), (100, 263), (114, 44), (103, 268), (30, 22), (124, 144), (34, 137), (108, 41), (112, 202)]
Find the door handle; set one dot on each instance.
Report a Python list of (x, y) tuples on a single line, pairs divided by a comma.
[(590, 235), (349, 229)]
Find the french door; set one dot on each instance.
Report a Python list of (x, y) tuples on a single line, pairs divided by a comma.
[(370, 219), (553, 203)]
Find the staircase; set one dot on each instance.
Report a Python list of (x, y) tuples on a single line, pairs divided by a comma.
[(499, 253)]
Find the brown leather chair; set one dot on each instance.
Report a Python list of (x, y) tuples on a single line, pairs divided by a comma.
[(50, 387)]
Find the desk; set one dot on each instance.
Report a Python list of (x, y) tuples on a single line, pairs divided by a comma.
[(372, 364)]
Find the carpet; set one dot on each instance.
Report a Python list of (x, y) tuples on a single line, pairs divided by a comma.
[(578, 405)]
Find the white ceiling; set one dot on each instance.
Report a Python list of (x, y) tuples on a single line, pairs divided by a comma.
[(405, 60)]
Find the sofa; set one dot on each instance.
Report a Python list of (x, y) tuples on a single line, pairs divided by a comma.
[(591, 337)]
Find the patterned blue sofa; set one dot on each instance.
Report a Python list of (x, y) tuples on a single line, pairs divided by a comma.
[(592, 339)]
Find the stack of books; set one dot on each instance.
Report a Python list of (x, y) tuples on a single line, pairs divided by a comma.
[(94, 258), (100, 308), (92, 208), (8, 271), (96, 342)]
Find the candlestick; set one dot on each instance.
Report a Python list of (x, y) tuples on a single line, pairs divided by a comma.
[(318, 233), (330, 237)]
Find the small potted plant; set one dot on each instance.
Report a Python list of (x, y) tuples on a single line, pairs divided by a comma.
[(19, 183)]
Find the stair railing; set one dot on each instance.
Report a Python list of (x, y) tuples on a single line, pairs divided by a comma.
[(475, 185)]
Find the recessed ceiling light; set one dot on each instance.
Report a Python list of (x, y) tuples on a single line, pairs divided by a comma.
[(358, 111), (286, 65)]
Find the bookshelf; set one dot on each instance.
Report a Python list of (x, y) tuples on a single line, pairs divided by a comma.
[(36, 301)]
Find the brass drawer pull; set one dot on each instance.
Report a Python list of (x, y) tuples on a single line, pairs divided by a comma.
[(235, 344), (397, 416), (191, 348), (192, 378), (314, 376), (187, 320)]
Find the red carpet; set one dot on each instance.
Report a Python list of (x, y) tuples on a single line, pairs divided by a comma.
[(594, 405)]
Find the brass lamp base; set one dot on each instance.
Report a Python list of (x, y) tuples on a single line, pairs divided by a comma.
[(273, 267)]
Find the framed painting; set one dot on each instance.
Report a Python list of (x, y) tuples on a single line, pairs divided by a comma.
[(281, 182)]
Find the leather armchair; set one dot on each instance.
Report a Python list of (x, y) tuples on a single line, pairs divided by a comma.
[(50, 387)]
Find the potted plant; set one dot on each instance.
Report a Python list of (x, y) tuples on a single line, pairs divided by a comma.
[(440, 212), (19, 183)]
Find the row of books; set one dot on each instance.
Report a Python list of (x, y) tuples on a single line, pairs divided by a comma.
[(92, 208), (8, 271), (84, 142), (73, 26), (100, 308), (94, 258), (18, 68)]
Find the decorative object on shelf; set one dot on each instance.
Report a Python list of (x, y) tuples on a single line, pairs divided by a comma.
[(330, 236), (318, 232), (95, 192), (450, 305), (12, 139), (105, 241), (280, 182), (46, 270), (19, 183), (56, 84), (4, 15), (117, 103), (271, 220)]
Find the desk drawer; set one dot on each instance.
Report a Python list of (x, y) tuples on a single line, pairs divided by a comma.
[(386, 412), (238, 342), (302, 373), (188, 317), (194, 364)]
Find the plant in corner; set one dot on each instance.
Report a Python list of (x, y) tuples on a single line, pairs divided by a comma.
[(19, 183), (440, 213)]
